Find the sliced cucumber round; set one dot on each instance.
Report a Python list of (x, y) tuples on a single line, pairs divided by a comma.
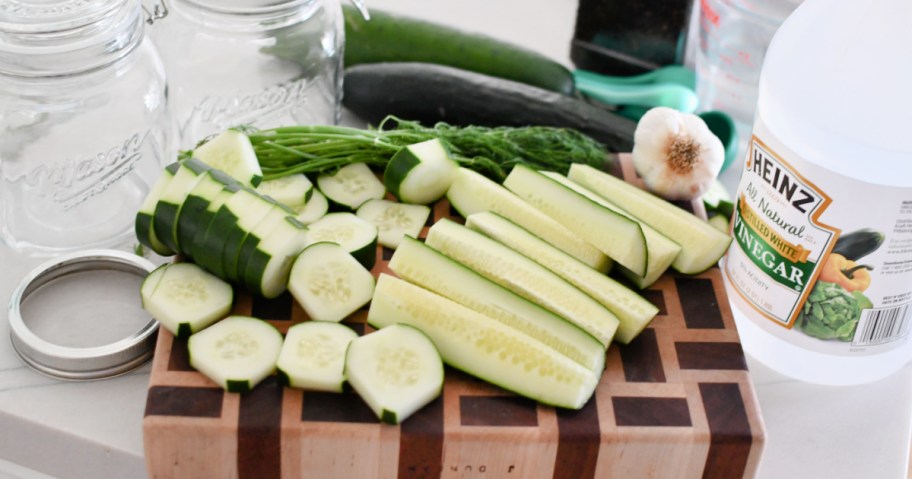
[(237, 352), (232, 153), (355, 235), (184, 298), (315, 208), (329, 283), (351, 186), (396, 370), (420, 173), (394, 220), (291, 190), (313, 356)]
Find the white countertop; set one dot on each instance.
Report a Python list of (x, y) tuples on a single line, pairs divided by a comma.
[(50, 428)]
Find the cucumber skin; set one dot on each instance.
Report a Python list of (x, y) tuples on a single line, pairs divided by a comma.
[(398, 169), (391, 38), (432, 93)]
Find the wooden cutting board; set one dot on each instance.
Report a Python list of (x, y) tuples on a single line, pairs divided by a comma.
[(677, 402)]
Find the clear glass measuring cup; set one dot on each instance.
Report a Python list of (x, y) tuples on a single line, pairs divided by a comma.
[(262, 63), (734, 35), (84, 127)]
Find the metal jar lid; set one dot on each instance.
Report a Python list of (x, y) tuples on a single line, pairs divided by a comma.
[(73, 362)]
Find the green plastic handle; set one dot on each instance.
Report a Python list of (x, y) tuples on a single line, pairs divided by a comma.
[(649, 95), (668, 74)]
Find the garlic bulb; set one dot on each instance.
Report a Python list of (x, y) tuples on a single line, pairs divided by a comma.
[(676, 154)]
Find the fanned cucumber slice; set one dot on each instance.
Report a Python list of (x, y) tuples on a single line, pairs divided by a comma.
[(292, 190), (351, 186), (168, 208), (482, 346), (313, 356), (329, 283), (701, 244), (396, 370), (269, 265), (315, 208), (633, 311), (471, 192), (145, 230), (248, 217), (619, 237), (355, 235), (232, 153), (237, 352), (186, 298), (192, 214), (420, 173), (524, 277), (662, 250), (270, 221), (394, 220), (198, 228), (421, 265)]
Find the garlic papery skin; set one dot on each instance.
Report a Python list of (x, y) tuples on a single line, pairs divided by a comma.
[(676, 154)]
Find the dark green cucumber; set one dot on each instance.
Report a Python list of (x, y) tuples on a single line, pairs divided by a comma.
[(392, 38), (431, 93), (858, 244)]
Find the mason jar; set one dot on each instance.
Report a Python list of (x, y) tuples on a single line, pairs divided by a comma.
[(260, 63), (84, 127)]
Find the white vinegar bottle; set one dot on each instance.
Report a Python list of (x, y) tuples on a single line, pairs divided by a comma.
[(820, 268)]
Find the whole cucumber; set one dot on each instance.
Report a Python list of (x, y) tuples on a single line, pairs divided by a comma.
[(431, 93), (391, 38)]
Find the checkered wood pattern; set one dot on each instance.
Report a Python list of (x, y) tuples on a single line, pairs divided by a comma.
[(676, 402)]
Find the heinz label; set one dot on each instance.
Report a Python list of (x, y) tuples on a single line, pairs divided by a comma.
[(822, 259)]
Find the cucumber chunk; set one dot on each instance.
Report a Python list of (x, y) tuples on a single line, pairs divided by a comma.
[(186, 298), (633, 311), (329, 283), (237, 352), (421, 265), (167, 210), (151, 282), (232, 153), (355, 235), (483, 347), (291, 190), (315, 208), (662, 250), (471, 192), (313, 356), (619, 237), (144, 227), (351, 186), (701, 245), (396, 370), (524, 277), (420, 173), (394, 220)]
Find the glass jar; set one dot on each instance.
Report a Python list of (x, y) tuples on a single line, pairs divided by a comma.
[(84, 128), (261, 63)]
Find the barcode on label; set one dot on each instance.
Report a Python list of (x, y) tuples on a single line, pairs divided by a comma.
[(879, 326)]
